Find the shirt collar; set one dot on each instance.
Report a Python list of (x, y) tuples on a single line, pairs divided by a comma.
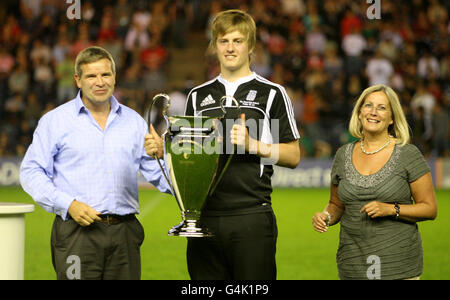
[(239, 81), (79, 105)]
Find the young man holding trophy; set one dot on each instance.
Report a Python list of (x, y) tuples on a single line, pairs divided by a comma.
[(264, 132)]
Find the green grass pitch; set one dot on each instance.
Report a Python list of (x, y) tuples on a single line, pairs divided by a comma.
[(302, 253)]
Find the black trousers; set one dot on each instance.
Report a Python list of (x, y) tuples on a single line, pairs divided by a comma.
[(98, 251), (243, 248)]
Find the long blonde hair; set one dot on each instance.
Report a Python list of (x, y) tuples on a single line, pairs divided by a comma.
[(399, 129)]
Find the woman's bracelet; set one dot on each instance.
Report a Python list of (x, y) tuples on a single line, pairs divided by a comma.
[(328, 217)]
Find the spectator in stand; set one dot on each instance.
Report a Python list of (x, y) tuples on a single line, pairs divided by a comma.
[(276, 45), (153, 58), (60, 49), (424, 101), (331, 12), (33, 109), (332, 63), (83, 40), (388, 49), (6, 149), (19, 80), (354, 85), (177, 103), (40, 53), (43, 80), (15, 105), (137, 35), (87, 11), (129, 88), (45, 29), (421, 27), (353, 45), (379, 69), (159, 22), (350, 23), (310, 116), (261, 61), (444, 68), (428, 66), (437, 12), (122, 17), (11, 31), (155, 55), (107, 30), (294, 8), (6, 61), (312, 18), (315, 40), (180, 14), (440, 131), (418, 27), (65, 83)]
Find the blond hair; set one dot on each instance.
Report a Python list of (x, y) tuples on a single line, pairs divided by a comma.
[(90, 55), (230, 20), (398, 129)]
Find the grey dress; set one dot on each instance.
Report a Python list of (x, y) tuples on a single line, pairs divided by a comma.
[(395, 244)]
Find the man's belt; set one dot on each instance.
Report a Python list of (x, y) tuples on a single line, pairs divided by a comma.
[(115, 219)]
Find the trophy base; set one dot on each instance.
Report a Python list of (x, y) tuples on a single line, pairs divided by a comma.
[(188, 228)]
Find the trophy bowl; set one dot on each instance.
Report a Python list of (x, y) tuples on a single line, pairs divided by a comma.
[(192, 157)]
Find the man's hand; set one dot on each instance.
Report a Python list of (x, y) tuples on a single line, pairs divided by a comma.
[(153, 144), (239, 136), (82, 213), (281, 154)]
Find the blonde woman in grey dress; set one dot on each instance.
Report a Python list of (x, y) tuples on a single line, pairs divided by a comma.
[(381, 187)]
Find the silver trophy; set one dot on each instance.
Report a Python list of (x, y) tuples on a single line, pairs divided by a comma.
[(195, 165)]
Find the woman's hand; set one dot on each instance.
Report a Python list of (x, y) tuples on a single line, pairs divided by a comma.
[(377, 209), (320, 222)]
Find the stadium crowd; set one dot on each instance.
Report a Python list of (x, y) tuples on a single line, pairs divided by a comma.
[(324, 52)]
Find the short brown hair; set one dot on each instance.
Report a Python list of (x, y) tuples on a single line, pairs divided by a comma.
[(90, 55), (231, 20)]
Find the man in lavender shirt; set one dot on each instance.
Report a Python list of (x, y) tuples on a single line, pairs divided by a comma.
[(82, 166)]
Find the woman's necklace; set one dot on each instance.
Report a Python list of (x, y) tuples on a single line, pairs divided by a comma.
[(376, 151)]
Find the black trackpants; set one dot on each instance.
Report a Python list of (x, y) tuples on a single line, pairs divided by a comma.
[(98, 251), (243, 248)]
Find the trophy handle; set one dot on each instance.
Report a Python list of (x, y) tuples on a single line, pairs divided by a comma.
[(149, 116), (230, 155), (238, 107), (164, 112)]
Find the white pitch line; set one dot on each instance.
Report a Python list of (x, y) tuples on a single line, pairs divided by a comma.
[(146, 206)]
